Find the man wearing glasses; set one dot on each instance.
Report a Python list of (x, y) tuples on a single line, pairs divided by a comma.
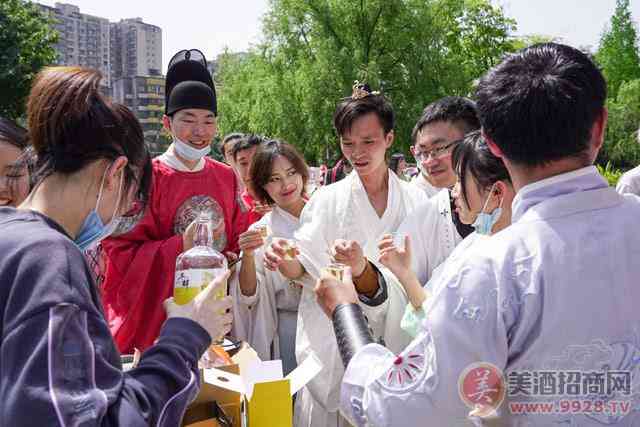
[(442, 123), (434, 228)]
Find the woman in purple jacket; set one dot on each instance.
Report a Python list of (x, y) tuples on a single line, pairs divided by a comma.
[(58, 362)]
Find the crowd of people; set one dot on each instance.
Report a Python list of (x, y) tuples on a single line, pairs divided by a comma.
[(507, 253)]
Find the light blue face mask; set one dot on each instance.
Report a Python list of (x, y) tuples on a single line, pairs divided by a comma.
[(93, 230), (186, 151), (485, 221)]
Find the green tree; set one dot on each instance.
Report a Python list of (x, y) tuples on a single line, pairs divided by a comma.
[(26, 45), (621, 147), (618, 50), (414, 51), (528, 40)]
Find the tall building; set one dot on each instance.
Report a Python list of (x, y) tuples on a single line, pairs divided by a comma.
[(128, 53), (144, 95), (83, 39), (127, 48), (138, 83), (136, 49)]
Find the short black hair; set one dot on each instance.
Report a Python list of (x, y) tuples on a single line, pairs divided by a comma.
[(246, 142), (230, 138), (352, 108), (453, 109), (394, 161), (539, 104), (472, 155)]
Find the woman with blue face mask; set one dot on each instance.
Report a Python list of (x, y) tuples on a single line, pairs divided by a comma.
[(60, 365), (483, 195), (483, 192)]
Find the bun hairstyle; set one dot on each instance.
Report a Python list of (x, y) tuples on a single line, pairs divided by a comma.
[(362, 102), (262, 166), (71, 124)]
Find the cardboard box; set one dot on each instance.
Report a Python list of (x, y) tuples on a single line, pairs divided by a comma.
[(251, 393), (229, 401), (207, 414), (265, 393)]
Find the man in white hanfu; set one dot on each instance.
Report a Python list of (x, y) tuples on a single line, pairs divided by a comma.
[(543, 312), (434, 228), (343, 223), (629, 182)]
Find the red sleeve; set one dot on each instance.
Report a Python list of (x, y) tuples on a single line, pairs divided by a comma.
[(139, 277)]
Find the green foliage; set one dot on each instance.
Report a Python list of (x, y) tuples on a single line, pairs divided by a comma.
[(621, 146), (414, 51), (526, 41), (26, 45), (611, 174), (618, 57), (618, 50)]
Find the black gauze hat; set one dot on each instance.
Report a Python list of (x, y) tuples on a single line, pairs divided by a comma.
[(189, 84)]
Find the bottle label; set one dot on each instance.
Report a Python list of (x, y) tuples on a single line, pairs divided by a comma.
[(188, 283)]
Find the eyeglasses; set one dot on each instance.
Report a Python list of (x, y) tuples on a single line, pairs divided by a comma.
[(435, 153)]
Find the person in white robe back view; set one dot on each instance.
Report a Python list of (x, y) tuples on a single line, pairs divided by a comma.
[(269, 301), (629, 182), (542, 313), (342, 223)]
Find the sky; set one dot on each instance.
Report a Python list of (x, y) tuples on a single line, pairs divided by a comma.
[(213, 25)]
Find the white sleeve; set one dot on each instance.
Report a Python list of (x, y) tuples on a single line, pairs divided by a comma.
[(384, 319), (420, 385), (624, 188), (263, 308), (241, 307), (415, 226), (313, 235)]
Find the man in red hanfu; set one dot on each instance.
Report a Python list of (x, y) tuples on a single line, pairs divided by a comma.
[(141, 260)]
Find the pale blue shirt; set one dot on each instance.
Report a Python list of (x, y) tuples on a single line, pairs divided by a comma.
[(557, 291)]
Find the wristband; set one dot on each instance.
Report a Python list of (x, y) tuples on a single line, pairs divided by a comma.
[(351, 329)]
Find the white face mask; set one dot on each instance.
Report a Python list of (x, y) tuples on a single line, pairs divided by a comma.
[(186, 151)]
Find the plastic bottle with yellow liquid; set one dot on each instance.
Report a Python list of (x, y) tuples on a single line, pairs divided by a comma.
[(198, 266)]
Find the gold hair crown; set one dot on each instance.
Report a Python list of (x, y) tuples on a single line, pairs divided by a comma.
[(361, 90)]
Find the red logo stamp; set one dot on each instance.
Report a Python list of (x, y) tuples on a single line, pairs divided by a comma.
[(482, 388)]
